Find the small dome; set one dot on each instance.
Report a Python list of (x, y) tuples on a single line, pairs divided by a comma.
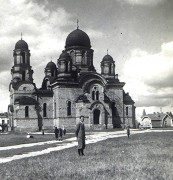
[(107, 58), (64, 55), (51, 65), (77, 38), (21, 44)]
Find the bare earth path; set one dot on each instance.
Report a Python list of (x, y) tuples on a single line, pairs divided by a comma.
[(68, 143)]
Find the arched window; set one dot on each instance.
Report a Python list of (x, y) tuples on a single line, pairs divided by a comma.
[(106, 69), (68, 108), (18, 59), (97, 95), (23, 75), (72, 56), (44, 110), (26, 111), (47, 84), (66, 67), (96, 117), (93, 95), (127, 111), (23, 58)]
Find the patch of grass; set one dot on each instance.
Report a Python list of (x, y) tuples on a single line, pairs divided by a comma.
[(16, 138), (143, 156)]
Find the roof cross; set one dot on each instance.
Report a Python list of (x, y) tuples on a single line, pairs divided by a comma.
[(77, 24)]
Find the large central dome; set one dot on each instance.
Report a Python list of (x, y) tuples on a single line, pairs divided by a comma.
[(77, 38)]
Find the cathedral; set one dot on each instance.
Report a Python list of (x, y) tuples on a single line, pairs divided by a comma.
[(70, 88)]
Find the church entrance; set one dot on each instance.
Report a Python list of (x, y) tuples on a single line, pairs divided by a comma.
[(116, 121), (96, 117)]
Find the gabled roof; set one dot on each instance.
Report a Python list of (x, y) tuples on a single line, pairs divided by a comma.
[(157, 116), (106, 99), (127, 99), (25, 100), (82, 98)]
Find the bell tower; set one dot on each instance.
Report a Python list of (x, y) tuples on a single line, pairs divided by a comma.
[(108, 67), (21, 71), (64, 65), (23, 96)]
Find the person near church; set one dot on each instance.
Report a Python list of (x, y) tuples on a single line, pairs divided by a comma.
[(64, 131), (128, 132), (43, 131), (80, 134), (56, 131), (60, 133)]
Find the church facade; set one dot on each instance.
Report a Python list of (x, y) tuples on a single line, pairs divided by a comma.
[(70, 88)]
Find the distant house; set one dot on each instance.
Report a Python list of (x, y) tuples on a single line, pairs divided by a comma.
[(4, 121), (4, 118), (157, 120)]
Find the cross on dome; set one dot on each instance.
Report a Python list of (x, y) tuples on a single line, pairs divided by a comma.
[(77, 24)]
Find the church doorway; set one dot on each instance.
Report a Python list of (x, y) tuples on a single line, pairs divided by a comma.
[(116, 121), (96, 115)]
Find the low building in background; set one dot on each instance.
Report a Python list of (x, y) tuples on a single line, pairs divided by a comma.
[(4, 122), (157, 120)]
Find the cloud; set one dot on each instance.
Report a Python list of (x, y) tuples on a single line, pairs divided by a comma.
[(41, 29), (38, 25), (143, 2), (45, 30), (149, 76)]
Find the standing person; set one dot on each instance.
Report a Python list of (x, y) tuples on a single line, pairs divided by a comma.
[(56, 131), (43, 132), (128, 132), (64, 131), (60, 134), (80, 134)]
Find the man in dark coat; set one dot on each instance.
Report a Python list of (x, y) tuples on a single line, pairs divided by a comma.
[(60, 134), (64, 131), (128, 132), (56, 131), (80, 134)]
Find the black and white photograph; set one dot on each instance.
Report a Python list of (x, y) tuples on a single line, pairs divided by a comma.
[(86, 89)]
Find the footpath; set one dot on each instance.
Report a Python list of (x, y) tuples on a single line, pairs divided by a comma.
[(53, 145)]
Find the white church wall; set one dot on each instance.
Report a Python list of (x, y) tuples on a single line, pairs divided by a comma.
[(61, 97)]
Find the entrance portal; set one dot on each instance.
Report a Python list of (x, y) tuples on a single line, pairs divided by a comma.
[(96, 116)]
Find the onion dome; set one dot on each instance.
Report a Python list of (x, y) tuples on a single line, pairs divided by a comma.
[(77, 38), (51, 65), (21, 44), (64, 55), (108, 58)]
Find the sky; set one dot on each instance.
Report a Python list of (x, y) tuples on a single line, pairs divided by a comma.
[(137, 33)]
